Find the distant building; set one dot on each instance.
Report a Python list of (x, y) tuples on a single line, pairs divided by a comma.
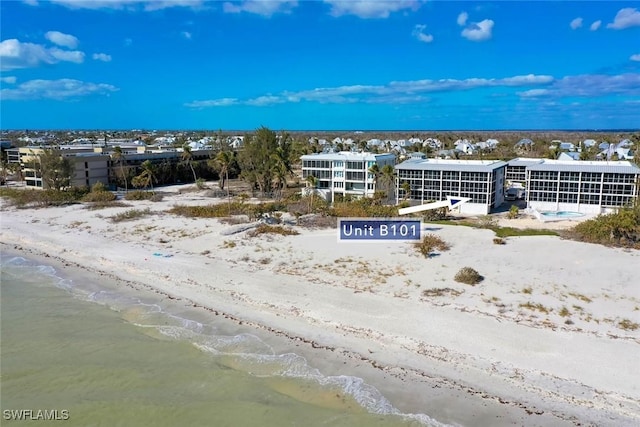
[(344, 172), (89, 167), (435, 179)]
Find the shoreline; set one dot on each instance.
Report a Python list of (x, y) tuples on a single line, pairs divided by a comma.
[(335, 312)]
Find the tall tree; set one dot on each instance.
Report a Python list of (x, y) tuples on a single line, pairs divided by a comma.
[(147, 176), (56, 170), (256, 157), (187, 157), (281, 168), (312, 181), (388, 178), (118, 156)]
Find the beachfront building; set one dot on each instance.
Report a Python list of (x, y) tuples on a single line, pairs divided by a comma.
[(434, 179), (516, 170), (89, 167), (345, 173), (588, 187)]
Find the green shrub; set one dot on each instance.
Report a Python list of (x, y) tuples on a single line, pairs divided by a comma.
[(431, 243), (513, 212), (139, 195), (99, 196), (621, 228), (468, 276)]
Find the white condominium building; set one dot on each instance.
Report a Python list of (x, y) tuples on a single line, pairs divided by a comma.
[(345, 173)]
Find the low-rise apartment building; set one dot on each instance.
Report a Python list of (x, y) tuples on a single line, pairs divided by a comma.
[(345, 173)]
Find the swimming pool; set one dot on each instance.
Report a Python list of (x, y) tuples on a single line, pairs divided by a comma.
[(549, 215)]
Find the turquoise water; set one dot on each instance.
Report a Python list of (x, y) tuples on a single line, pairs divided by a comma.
[(110, 359)]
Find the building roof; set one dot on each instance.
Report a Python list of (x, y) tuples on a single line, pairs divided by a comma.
[(456, 165), (519, 161), (347, 156), (586, 166)]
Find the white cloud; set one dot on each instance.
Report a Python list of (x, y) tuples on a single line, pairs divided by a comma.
[(533, 93), (392, 92), (67, 55), (260, 7), (30, 2), (147, 5), (186, 34), (595, 25), (222, 102), (589, 86), (576, 23), (478, 31), (418, 32), (625, 18), (462, 19), (9, 79), (371, 8), (56, 89), (62, 39), (15, 54), (635, 57), (101, 57), (128, 42)]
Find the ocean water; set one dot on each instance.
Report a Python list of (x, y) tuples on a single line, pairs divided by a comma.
[(100, 358)]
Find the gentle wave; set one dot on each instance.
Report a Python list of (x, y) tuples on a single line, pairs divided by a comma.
[(245, 352)]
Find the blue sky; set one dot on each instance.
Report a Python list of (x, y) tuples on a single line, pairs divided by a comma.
[(319, 65)]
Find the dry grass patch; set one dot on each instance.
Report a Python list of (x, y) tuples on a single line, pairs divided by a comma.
[(130, 215), (468, 276), (536, 307), (431, 243), (580, 297), (628, 325), (440, 292), (272, 229)]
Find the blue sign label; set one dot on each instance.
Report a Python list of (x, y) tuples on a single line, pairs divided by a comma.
[(378, 229)]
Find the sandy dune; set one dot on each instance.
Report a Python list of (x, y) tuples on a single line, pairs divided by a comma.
[(546, 339)]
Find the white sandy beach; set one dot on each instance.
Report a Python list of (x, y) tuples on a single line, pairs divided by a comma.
[(537, 343)]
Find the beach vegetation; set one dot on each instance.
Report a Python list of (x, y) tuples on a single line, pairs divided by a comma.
[(528, 290), (272, 229), (439, 292), (468, 275), (43, 198), (143, 195), (535, 307), (99, 193), (564, 312), (498, 241), (513, 212), (628, 325), (130, 215), (620, 228), (581, 297), (431, 243)]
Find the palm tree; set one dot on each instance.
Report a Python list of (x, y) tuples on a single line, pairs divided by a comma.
[(147, 176), (388, 176), (281, 169), (313, 183), (375, 171), (222, 163), (186, 157), (406, 188), (118, 156)]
